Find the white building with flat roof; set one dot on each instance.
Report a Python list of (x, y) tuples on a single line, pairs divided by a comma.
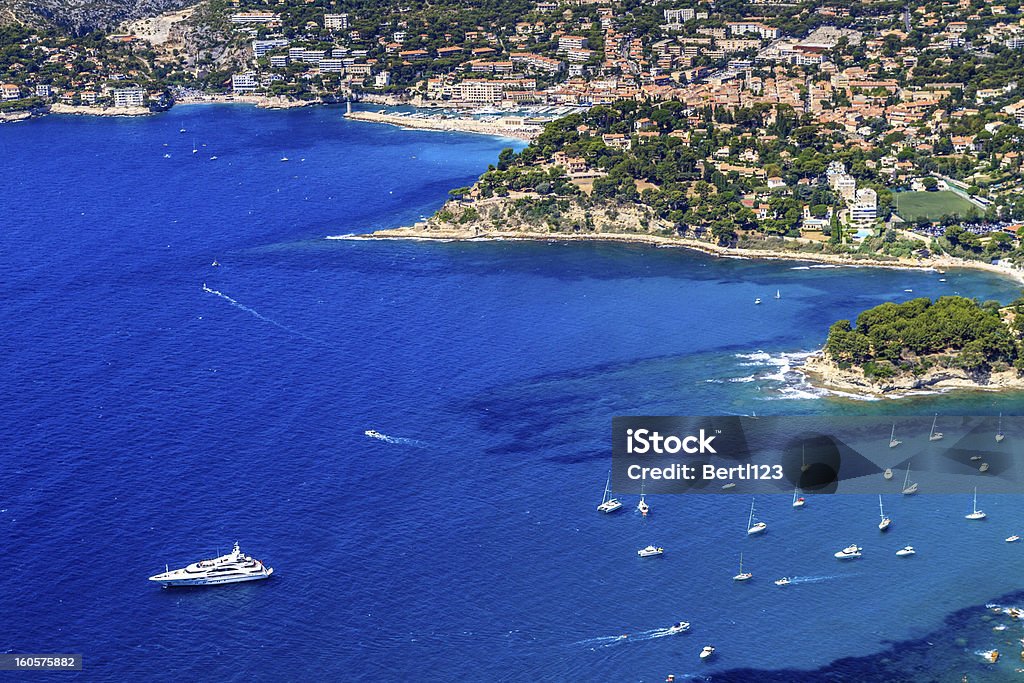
[(244, 82), (864, 209), (129, 97), (336, 22)]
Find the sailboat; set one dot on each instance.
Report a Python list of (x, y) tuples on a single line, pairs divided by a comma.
[(893, 442), (752, 527), (908, 488), (976, 513), (798, 502), (608, 503), (934, 435), (803, 459), (642, 506), (884, 524), (778, 294), (742, 576), (195, 150), (999, 431)]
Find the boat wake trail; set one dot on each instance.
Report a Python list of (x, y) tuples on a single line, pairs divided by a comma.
[(402, 441), (609, 641), (814, 579), (257, 314)]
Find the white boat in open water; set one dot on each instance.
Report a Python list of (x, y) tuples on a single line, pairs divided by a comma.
[(609, 503), (235, 567), (975, 512), (849, 552)]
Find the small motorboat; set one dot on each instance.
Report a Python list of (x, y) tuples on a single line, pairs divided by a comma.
[(975, 458), (215, 263), (374, 434), (906, 551), (983, 467), (679, 627), (213, 158), (181, 130), (888, 473), (999, 627), (167, 156), (784, 581), (284, 158), (990, 656), (1013, 539), (650, 551), (730, 485), (707, 651), (849, 552), (757, 301)]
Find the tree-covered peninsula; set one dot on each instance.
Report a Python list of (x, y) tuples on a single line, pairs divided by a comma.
[(953, 342)]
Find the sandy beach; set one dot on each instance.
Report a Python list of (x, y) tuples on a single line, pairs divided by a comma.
[(460, 124)]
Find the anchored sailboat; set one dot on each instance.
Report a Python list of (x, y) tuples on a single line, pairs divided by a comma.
[(642, 506), (742, 576), (893, 441), (798, 502), (976, 513), (608, 503), (778, 294), (999, 431), (934, 435), (754, 527), (884, 524), (908, 488)]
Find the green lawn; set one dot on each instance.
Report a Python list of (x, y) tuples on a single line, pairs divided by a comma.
[(931, 205)]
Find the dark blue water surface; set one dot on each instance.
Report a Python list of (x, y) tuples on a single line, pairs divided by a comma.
[(145, 420)]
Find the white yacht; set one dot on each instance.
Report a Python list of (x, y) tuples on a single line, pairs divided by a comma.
[(976, 513), (1013, 539), (983, 467), (609, 504), (784, 581), (934, 435), (752, 526), (650, 551), (849, 552), (884, 524), (906, 551), (234, 567), (888, 473), (707, 651), (742, 576)]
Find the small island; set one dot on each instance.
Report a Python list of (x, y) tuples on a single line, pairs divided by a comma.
[(921, 345)]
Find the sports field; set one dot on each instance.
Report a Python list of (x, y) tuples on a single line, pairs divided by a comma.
[(931, 205)]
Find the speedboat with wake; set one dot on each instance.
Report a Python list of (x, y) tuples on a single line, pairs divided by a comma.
[(679, 627), (235, 567), (784, 581)]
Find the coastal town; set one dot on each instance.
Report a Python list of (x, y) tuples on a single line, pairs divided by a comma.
[(817, 126)]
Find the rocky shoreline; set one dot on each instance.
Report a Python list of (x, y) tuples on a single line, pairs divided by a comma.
[(825, 374), (448, 233)]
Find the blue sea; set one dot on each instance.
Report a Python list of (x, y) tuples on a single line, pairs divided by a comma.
[(156, 408)]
